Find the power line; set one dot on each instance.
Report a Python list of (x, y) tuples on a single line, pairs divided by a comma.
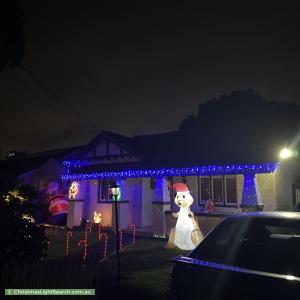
[(21, 83), (57, 97)]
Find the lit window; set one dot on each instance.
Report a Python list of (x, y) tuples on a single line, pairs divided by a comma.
[(104, 192), (217, 189), (231, 188), (204, 189)]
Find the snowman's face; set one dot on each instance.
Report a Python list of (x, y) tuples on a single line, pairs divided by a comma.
[(183, 199)]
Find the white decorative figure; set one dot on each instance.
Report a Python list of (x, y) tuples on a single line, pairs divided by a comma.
[(187, 234)]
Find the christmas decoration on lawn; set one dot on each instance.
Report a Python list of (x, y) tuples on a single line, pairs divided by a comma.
[(99, 231), (132, 227), (58, 204), (187, 234), (97, 217), (88, 227), (121, 240), (84, 243), (73, 190), (105, 245), (69, 235)]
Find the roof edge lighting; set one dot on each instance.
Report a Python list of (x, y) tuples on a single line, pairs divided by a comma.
[(192, 171)]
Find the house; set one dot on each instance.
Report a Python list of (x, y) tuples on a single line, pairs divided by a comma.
[(236, 177), (146, 166)]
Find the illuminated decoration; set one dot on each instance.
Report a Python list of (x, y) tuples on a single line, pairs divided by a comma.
[(251, 195), (121, 240), (99, 232), (73, 190), (68, 236), (15, 194), (97, 217), (186, 235), (285, 153), (88, 227), (132, 227), (28, 218), (116, 192), (105, 245), (84, 242), (192, 171), (57, 201)]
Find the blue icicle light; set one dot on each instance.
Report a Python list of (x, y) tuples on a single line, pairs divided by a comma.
[(192, 171)]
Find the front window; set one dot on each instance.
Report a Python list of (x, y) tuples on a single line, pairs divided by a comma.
[(221, 189), (217, 189), (104, 192)]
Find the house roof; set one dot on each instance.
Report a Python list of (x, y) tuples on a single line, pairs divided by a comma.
[(28, 162), (178, 152), (180, 149)]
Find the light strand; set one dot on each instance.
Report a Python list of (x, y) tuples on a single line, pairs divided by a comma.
[(68, 236), (193, 171), (84, 242), (133, 228)]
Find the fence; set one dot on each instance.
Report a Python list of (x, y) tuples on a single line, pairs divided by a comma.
[(66, 272)]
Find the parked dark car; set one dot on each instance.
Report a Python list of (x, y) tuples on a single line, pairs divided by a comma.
[(247, 256)]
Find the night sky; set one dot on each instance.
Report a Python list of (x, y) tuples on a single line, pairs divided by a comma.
[(140, 68)]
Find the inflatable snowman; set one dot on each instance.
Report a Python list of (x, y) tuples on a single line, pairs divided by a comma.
[(187, 234)]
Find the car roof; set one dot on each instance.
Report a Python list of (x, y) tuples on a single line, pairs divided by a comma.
[(269, 214)]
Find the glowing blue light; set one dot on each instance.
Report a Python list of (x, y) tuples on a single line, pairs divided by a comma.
[(193, 171)]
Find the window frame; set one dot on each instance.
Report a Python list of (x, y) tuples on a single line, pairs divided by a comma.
[(222, 191), (223, 202), (200, 201), (100, 187), (236, 190)]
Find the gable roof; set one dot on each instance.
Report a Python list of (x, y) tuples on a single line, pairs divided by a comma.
[(119, 140), (180, 149)]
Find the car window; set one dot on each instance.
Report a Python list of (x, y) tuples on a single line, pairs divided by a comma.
[(264, 244)]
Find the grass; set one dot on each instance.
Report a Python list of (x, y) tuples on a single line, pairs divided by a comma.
[(57, 248), (144, 268)]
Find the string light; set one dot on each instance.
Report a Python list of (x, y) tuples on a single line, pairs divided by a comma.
[(193, 171), (121, 240), (84, 242), (251, 194), (69, 235), (105, 245), (99, 231), (87, 227), (132, 227)]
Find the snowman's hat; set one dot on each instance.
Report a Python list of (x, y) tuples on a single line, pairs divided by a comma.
[(181, 187)]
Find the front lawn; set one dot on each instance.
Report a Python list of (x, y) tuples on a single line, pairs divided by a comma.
[(57, 247), (144, 268)]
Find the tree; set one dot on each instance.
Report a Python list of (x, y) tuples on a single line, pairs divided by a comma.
[(22, 240), (244, 122), (11, 34)]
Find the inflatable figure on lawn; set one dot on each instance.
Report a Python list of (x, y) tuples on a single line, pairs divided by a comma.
[(58, 204), (187, 234)]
